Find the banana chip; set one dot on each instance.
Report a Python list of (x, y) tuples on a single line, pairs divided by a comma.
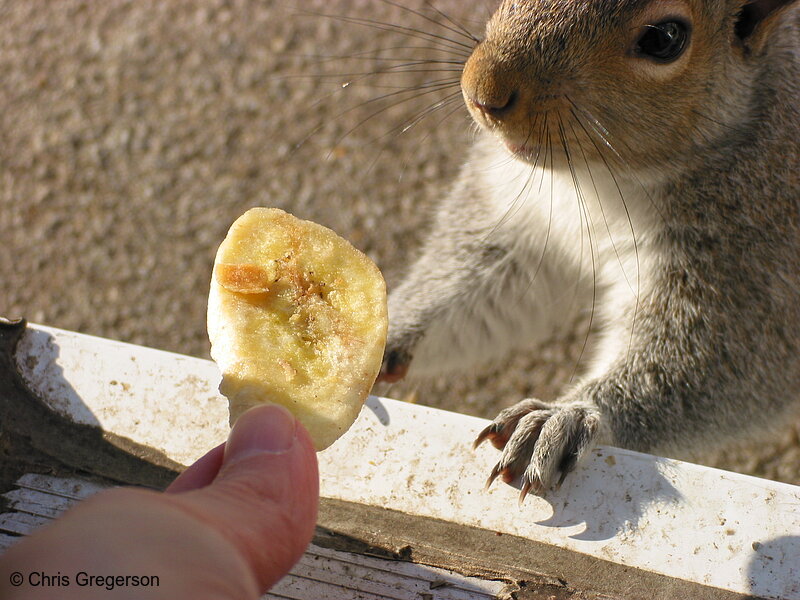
[(296, 316)]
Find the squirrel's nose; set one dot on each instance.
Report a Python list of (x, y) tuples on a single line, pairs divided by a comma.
[(490, 86), (497, 107)]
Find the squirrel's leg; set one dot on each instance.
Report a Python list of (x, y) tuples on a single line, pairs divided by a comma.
[(700, 365), (474, 295)]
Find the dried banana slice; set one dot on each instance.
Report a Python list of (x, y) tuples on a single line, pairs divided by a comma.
[(296, 316)]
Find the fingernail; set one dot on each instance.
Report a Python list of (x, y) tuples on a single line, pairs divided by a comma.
[(270, 428)]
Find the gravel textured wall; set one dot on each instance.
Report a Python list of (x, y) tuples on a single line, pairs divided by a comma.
[(134, 132)]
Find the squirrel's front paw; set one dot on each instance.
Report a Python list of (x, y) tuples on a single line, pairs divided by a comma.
[(395, 365), (397, 355), (541, 442)]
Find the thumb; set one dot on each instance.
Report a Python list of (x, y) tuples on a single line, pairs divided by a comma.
[(264, 497)]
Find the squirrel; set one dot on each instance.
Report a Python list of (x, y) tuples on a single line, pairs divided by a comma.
[(639, 160)]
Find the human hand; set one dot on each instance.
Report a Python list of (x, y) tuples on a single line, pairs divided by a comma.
[(230, 526)]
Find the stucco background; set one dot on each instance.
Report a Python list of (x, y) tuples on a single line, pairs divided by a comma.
[(134, 132)]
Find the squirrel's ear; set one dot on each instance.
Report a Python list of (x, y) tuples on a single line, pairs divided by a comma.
[(757, 21)]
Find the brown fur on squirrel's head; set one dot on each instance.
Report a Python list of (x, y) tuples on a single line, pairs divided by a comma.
[(653, 80)]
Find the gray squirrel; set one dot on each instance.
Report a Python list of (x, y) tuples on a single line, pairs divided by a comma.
[(639, 160)]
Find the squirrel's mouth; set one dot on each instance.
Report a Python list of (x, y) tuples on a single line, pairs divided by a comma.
[(529, 153), (518, 148)]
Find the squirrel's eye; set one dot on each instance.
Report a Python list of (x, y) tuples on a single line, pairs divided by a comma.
[(663, 42)]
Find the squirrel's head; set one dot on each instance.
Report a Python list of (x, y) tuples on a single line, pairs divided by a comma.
[(649, 79)]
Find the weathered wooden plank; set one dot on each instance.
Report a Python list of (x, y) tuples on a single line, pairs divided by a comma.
[(20, 523), (390, 579), (40, 504), (6, 541), (302, 588), (75, 489)]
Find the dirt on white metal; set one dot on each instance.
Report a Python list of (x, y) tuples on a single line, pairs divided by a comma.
[(624, 525)]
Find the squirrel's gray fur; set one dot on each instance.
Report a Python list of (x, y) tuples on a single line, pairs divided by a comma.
[(665, 201)]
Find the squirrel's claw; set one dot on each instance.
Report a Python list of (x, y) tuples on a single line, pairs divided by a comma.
[(541, 443), (488, 433)]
